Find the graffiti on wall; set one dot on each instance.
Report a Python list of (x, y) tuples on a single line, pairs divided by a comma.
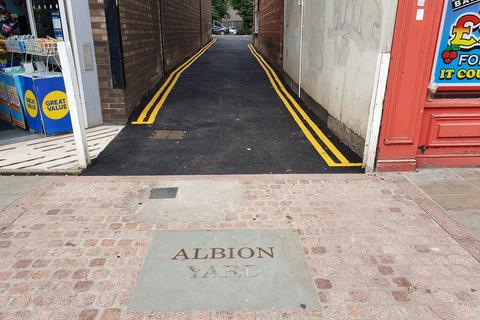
[(457, 65)]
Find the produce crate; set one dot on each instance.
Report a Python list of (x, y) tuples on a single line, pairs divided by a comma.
[(41, 48), (15, 45)]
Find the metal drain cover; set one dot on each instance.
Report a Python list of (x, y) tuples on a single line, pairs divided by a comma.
[(168, 135), (163, 193)]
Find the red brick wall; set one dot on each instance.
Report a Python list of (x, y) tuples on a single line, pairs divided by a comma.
[(142, 48), (181, 22), (269, 40), (206, 21), (112, 100), (186, 28)]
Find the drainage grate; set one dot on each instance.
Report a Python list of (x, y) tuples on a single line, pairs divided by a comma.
[(163, 193), (168, 135)]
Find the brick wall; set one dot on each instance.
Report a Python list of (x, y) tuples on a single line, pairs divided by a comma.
[(112, 100), (181, 34), (142, 48), (206, 21), (269, 40), (186, 28)]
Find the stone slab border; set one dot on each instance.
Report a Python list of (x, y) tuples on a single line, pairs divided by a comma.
[(24, 203), (450, 224)]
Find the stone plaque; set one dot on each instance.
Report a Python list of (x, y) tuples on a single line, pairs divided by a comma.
[(224, 270)]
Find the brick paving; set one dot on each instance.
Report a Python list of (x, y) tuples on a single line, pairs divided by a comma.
[(72, 248)]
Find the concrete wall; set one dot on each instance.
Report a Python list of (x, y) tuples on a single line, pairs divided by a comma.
[(342, 39)]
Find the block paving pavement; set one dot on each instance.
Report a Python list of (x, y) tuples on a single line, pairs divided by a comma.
[(376, 247)]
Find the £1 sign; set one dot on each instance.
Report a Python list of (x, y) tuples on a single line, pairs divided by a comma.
[(457, 65)]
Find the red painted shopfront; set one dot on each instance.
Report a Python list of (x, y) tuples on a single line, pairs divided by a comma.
[(426, 125)]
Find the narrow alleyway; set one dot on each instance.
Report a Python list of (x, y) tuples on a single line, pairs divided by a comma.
[(222, 117)]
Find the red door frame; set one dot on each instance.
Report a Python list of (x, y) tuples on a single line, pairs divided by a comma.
[(408, 115)]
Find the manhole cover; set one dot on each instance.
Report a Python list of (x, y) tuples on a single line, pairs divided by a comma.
[(168, 135), (163, 193), (189, 270)]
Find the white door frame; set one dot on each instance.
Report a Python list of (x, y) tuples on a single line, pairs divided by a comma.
[(72, 78), (71, 74)]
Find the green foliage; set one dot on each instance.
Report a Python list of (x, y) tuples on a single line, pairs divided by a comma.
[(219, 9), (242, 31), (454, 47), (245, 10)]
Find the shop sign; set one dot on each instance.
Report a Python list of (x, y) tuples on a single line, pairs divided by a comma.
[(457, 65), (31, 104), (26, 91), (45, 102), (52, 99), (55, 105)]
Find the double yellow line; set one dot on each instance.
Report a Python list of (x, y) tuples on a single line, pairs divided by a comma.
[(158, 100), (298, 114)]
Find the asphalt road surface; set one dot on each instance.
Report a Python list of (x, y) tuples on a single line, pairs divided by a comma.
[(223, 116)]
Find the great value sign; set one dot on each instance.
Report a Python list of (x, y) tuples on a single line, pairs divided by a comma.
[(457, 61)]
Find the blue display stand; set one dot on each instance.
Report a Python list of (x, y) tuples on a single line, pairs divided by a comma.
[(12, 100), (5, 111), (44, 99), (4, 108), (54, 104), (29, 101)]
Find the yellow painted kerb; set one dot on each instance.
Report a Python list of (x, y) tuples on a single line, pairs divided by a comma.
[(288, 101), (166, 88)]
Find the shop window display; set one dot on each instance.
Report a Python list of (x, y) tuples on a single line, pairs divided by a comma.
[(32, 91), (44, 11), (456, 71)]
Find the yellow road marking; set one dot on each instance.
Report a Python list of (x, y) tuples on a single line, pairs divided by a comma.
[(297, 119), (312, 124), (174, 76), (172, 84), (276, 84)]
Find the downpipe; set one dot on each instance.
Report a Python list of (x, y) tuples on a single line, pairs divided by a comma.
[(300, 63)]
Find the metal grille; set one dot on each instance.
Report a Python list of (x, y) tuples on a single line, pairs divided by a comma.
[(163, 193), (168, 135)]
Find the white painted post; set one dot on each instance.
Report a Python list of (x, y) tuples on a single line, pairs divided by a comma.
[(376, 110), (31, 18), (68, 26), (73, 95), (70, 77)]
